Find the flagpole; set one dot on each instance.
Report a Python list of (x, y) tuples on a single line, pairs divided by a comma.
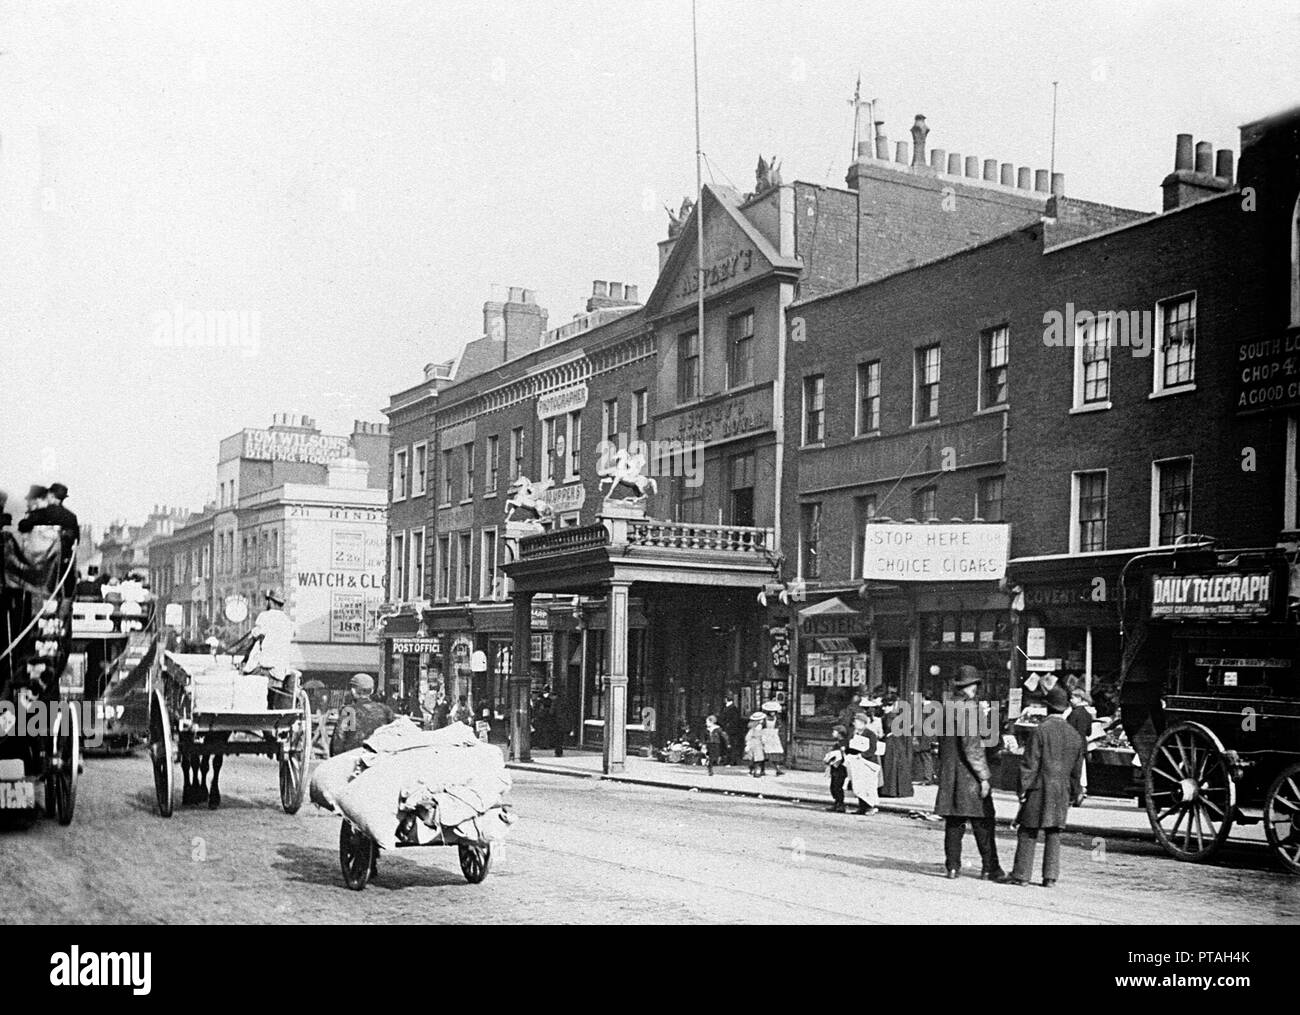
[(699, 189)]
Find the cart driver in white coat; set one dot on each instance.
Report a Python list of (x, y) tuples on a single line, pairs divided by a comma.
[(272, 636)]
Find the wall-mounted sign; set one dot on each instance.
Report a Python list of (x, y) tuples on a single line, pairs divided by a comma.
[(1240, 595), (732, 266), (1268, 373), (347, 616), (415, 646), (1244, 664), (1036, 642), (724, 420), (562, 401), (935, 553), (307, 448), (455, 436), (1042, 665), (566, 498)]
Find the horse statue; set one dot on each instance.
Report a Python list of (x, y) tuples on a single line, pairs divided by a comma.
[(526, 498), (626, 469)]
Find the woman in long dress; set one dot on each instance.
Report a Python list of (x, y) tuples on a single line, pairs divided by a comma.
[(897, 763)]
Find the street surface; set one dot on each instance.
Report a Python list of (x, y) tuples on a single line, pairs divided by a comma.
[(583, 851)]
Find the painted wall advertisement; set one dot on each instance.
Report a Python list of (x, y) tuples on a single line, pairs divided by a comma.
[(339, 577)]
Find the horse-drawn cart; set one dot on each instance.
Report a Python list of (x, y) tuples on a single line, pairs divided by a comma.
[(1210, 696), (202, 708)]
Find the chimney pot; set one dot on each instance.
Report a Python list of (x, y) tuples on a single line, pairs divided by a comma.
[(954, 164), (616, 290), (1041, 181), (600, 289), (1058, 184), (901, 155), (516, 294), (1204, 157), (972, 166), (919, 131), (882, 146), (991, 170), (1008, 175), (864, 150), (530, 296), (1183, 152), (630, 293), (937, 157), (1223, 164), (1025, 178)]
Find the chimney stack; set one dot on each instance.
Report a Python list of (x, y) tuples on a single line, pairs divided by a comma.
[(1196, 176), (1204, 157), (919, 132), (1223, 164), (1183, 153)]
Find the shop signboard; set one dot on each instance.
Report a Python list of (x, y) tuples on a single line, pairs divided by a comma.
[(935, 552), (1236, 595)]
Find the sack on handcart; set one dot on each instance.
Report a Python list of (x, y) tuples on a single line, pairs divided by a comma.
[(330, 776)]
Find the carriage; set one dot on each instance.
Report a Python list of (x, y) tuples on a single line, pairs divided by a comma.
[(40, 721), (203, 708), (1210, 696)]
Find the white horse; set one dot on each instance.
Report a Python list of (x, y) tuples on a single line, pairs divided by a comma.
[(627, 470), (525, 496)]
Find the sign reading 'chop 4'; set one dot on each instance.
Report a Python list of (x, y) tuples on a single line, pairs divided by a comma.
[(1240, 594)]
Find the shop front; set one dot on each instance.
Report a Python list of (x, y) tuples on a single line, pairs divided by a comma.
[(831, 659)]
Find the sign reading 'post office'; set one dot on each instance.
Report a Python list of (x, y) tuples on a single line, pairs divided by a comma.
[(935, 553)]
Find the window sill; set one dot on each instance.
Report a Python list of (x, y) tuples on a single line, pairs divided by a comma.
[(490, 495), (814, 446), (417, 493), (444, 506), (467, 500), (396, 500), (927, 424), (870, 435), (1090, 407), (1182, 389), (989, 410)]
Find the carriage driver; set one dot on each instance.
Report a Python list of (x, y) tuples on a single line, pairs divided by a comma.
[(271, 637)]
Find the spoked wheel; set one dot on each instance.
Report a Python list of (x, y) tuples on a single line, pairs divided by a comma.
[(1282, 817), (64, 761), (1190, 796), (474, 861), (296, 758), (162, 752), (357, 855)]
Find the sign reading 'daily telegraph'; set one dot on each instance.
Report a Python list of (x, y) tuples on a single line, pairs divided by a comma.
[(308, 448), (1219, 596), (935, 553)]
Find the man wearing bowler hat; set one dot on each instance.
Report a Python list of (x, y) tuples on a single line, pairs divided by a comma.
[(46, 508), (1050, 780), (965, 786)]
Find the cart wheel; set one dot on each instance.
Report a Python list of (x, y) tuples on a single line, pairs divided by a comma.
[(1282, 817), (475, 861), (357, 855), (161, 753), (1190, 796), (296, 758), (64, 761)]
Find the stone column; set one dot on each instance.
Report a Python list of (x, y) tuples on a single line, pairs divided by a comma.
[(616, 680), (521, 681)]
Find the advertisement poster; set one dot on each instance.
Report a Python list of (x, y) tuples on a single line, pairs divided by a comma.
[(347, 616), (337, 574)]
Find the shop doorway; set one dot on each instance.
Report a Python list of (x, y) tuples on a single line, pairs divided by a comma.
[(893, 669)]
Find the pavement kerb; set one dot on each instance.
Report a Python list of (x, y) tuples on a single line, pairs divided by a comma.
[(788, 797)]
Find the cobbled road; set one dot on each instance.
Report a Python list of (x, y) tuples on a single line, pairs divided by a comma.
[(583, 851)]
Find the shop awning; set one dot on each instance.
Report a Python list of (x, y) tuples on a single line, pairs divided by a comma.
[(828, 607)]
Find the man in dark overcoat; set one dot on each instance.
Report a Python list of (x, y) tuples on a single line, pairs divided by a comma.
[(965, 785), (1050, 780)]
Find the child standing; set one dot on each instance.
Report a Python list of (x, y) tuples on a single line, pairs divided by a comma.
[(773, 748), (834, 761), (754, 753), (716, 741), (864, 768)]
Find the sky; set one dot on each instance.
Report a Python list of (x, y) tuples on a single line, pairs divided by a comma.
[(346, 182)]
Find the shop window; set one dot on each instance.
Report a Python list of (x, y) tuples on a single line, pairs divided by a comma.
[(926, 402), (995, 347), (810, 542), (688, 366), (740, 349), (1175, 358), (1172, 500), (988, 507), (1092, 360), (868, 398), (814, 409), (1088, 530)]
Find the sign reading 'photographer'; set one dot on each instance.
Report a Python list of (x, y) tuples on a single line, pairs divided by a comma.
[(935, 553), (1221, 596)]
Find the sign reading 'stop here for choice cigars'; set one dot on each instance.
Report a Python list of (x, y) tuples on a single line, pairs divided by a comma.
[(935, 553)]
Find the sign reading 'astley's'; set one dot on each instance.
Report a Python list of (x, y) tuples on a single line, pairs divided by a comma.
[(935, 553), (307, 448), (1242, 594), (724, 420), (724, 270), (1268, 373), (562, 401)]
